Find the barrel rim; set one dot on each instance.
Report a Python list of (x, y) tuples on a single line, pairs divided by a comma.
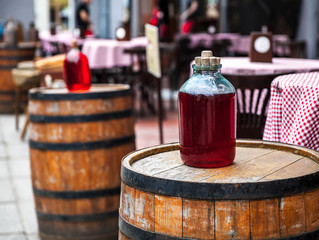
[(221, 191), (100, 92)]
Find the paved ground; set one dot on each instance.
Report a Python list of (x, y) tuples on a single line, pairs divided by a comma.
[(17, 212)]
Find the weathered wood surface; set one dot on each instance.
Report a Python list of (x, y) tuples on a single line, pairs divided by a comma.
[(76, 147), (9, 59), (152, 213)]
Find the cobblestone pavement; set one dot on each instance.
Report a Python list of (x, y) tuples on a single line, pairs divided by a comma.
[(17, 211)]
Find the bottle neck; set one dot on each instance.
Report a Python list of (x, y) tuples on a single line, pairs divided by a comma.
[(211, 70), (196, 69)]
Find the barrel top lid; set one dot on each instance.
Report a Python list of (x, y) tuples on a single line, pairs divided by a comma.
[(95, 92), (94, 88), (256, 163)]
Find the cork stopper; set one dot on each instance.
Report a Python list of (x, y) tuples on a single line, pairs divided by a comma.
[(198, 61), (207, 53), (74, 44), (214, 61), (205, 61)]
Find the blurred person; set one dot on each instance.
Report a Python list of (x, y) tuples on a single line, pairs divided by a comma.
[(163, 19), (82, 17), (160, 19), (189, 16)]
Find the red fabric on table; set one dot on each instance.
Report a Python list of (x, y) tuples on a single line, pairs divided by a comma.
[(293, 114)]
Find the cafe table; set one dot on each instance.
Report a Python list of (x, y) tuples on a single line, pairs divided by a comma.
[(239, 44), (242, 65), (54, 43), (109, 53), (293, 114)]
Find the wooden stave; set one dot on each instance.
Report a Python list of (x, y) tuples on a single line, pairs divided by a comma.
[(9, 58), (137, 229), (48, 221)]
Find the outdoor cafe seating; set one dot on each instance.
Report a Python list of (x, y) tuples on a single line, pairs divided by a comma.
[(101, 137)]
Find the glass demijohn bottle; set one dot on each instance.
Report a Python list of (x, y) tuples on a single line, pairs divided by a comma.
[(207, 118), (76, 70)]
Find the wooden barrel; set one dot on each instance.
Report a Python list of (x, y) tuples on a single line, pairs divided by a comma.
[(9, 58), (271, 191), (77, 141)]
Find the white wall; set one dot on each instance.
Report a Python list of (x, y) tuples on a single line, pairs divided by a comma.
[(116, 15), (308, 26), (42, 14), (106, 16)]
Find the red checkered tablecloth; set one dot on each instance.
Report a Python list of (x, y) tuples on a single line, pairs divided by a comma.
[(293, 114)]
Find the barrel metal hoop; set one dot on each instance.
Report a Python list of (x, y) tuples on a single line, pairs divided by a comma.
[(77, 194), (8, 67), (76, 218), (81, 145), (7, 92), (17, 58), (136, 233), (38, 95), (80, 118), (220, 191)]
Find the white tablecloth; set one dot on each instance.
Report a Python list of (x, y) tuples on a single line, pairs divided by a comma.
[(65, 37), (107, 53), (240, 44), (237, 65)]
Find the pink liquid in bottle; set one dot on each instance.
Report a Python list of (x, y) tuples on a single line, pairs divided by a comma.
[(207, 129), (76, 71)]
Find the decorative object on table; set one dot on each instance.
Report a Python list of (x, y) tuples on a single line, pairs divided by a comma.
[(77, 74), (272, 192), (9, 59), (77, 141), (260, 47), (207, 118), (122, 33)]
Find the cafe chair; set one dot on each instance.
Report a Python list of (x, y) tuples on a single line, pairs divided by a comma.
[(24, 79), (141, 82), (291, 49), (144, 85), (220, 47), (253, 93)]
